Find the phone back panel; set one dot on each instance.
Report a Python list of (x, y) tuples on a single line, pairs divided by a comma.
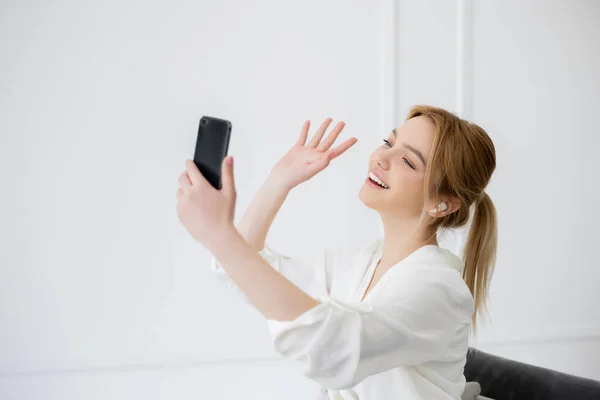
[(212, 144)]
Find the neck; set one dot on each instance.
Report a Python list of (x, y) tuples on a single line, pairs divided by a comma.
[(400, 238)]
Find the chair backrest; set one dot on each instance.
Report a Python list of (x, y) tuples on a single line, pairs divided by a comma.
[(504, 379)]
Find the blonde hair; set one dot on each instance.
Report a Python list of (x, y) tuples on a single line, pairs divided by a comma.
[(460, 165)]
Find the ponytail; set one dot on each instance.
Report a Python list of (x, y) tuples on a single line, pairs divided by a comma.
[(461, 162), (479, 254)]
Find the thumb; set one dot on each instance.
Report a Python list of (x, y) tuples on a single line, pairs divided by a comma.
[(227, 174)]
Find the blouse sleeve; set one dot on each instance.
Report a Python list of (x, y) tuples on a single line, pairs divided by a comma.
[(411, 320), (312, 273)]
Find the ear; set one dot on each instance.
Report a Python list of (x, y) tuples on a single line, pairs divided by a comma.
[(453, 205), (437, 210)]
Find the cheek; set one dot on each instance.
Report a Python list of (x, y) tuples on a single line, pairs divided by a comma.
[(408, 180), (409, 187)]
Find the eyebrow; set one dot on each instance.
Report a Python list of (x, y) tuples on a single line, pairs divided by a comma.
[(410, 148)]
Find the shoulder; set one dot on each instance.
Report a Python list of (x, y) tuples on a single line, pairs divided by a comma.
[(432, 276), (440, 266)]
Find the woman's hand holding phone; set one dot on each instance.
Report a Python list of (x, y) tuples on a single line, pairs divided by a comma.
[(305, 160)]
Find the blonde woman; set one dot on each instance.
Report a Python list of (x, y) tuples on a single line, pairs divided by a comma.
[(390, 320)]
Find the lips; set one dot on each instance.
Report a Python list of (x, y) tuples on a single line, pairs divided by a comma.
[(376, 177)]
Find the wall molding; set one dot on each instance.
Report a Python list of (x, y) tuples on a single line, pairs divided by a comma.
[(506, 339), (464, 93), (464, 58), (519, 337), (387, 66), (388, 100), (173, 363)]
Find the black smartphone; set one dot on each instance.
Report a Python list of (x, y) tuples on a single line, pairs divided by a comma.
[(212, 144)]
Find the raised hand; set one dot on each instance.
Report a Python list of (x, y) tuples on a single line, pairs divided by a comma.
[(305, 160)]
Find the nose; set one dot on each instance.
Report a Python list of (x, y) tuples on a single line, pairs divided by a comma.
[(381, 160)]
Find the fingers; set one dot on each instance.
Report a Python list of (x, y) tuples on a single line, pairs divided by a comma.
[(319, 134), (343, 147), (184, 184), (196, 177), (331, 138), (303, 133), (184, 180), (227, 177)]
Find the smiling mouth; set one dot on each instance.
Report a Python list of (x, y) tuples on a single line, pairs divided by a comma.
[(377, 181)]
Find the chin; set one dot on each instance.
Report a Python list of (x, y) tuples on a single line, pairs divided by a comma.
[(371, 198), (388, 202)]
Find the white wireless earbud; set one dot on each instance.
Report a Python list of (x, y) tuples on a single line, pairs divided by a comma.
[(440, 208)]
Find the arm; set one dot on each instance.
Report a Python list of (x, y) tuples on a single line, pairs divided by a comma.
[(299, 164), (256, 221), (267, 289), (311, 273)]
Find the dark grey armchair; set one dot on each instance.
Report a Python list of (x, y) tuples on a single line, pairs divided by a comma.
[(504, 379)]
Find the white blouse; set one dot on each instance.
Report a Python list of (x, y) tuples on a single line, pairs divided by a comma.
[(407, 339)]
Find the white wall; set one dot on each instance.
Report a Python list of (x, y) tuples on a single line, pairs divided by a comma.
[(105, 296)]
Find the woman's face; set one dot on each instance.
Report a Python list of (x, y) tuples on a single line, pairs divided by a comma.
[(400, 164)]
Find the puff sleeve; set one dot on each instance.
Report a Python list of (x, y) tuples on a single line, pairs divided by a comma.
[(409, 320)]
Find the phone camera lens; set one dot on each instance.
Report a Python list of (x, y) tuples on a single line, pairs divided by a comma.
[(203, 121)]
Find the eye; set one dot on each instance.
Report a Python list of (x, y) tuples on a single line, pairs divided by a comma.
[(387, 143)]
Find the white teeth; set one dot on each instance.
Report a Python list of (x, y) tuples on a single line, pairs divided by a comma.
[(379, 181)]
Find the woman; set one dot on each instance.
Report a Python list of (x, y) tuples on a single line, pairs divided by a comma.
[(391, 320)]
